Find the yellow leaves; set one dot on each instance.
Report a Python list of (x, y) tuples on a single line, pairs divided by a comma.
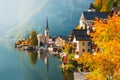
[(118, 12), (66, 67), (105, 65), (78, 27), (95, 75), (104, 8), (107, 36), (107, 33)]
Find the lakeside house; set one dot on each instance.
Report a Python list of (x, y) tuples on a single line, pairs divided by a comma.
[(80, 37), (82, 41), (87, 17), (62, 40)]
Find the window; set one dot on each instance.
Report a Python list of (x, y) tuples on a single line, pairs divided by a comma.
[(88, 43), (83, 43), (83, 50), (88, 50)]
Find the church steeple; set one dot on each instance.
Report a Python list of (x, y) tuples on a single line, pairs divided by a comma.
[(47, 28), (46, 33)]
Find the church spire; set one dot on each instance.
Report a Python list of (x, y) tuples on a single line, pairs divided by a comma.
[(46, 33), (47, 28)]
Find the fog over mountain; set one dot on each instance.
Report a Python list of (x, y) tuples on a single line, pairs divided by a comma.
[(63, 16)]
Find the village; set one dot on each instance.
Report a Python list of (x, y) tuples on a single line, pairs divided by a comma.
[(69, 46)]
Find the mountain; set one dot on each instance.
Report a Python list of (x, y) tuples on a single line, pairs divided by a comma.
[(106, 5), (63, 16)]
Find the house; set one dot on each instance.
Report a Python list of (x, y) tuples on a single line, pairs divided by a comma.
[(87, 18), (82, 41), (81, 38), (61, 40)]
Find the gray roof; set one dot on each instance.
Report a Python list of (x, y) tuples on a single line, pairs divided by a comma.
[(93, 15), (66, 38), (81, 34)]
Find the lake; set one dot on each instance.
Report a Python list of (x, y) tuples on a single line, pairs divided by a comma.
[(16, 64)]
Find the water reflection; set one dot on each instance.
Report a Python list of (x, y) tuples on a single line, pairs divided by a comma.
[(39, 65), (45, 57), (28, 65), (33, 57), (38, 55)]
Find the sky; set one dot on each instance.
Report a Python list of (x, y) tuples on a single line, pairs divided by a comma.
[(15, 14), (11, 13)]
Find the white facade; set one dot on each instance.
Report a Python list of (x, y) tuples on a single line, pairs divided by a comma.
[(46, 36), (82, 46), (85, 24), (77, 44), (41, 39), (82, 22)]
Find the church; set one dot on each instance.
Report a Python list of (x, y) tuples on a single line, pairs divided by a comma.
[(43, 39)]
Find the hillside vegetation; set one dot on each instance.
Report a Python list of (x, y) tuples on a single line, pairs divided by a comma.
[(106, 5)]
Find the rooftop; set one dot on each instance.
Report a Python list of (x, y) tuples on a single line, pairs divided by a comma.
[(81, 34), (93, 15)]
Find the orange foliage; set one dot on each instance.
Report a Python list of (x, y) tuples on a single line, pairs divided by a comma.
[(104, 8), (104, 65)]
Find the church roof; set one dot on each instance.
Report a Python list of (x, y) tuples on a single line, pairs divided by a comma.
[(93, 15), (80, 34)]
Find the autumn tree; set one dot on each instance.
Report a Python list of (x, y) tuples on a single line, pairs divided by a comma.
[(107, 37), (33, 38), (78, 27), (68, 48), (105, 64), (106, 5)]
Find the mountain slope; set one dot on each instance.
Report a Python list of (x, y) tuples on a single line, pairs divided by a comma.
[(63, 16)]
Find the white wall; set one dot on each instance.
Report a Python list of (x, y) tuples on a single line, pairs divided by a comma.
[(77, 42), (85, 47)]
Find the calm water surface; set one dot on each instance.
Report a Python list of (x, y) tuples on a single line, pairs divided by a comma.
[(16, 64)]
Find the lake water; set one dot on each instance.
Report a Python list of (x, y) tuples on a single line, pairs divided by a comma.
[(16, 64)]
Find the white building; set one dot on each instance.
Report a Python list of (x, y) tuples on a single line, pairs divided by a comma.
[(87, 18), (41, 39), (82, 41)]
